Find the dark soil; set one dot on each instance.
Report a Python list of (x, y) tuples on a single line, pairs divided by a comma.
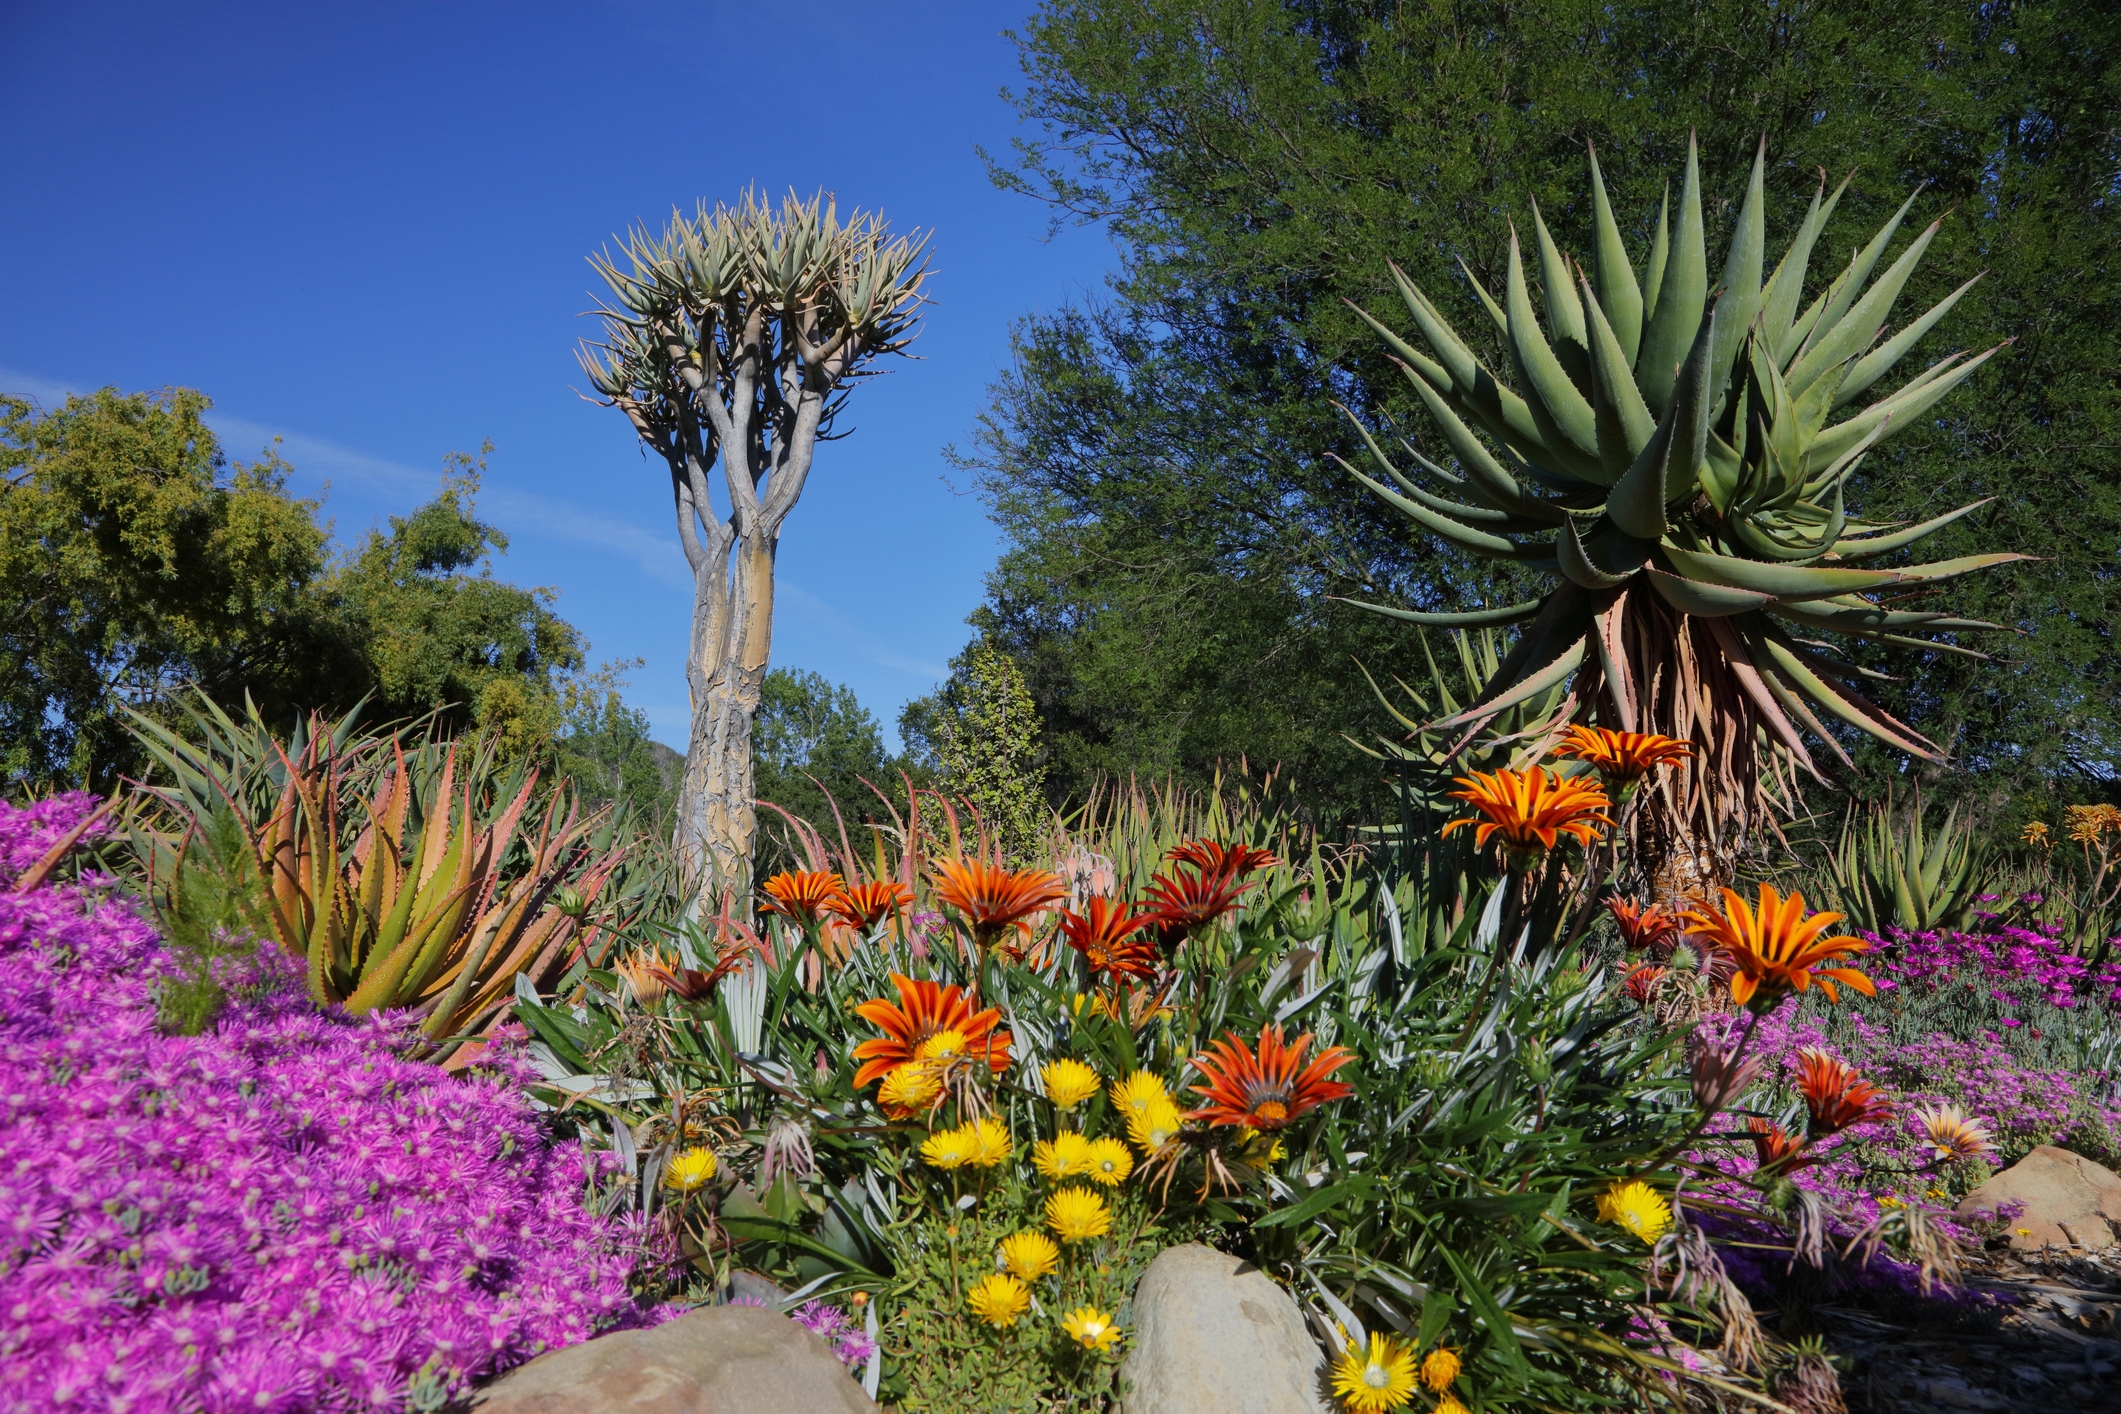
[(2054, 1346)]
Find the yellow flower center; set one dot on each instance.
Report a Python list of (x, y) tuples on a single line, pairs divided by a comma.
[(945, 1045)]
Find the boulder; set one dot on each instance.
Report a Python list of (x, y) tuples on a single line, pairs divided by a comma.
[(720, 1360), (2069, 1201), (1212, 1335)]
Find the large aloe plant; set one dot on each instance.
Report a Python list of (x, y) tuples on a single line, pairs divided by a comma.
[(1678, 467), (418, 876)]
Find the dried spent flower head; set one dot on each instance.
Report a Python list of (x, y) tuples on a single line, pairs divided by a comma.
[(1717, 1075)]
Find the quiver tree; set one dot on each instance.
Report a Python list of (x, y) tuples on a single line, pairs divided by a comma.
[(1676, 455), (733, 339)]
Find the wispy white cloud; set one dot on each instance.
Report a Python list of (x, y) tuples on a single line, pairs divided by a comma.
[(855, 639), (320, 460)]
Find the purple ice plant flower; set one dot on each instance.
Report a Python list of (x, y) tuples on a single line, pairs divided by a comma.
[(284, 1214), (837, 1329)]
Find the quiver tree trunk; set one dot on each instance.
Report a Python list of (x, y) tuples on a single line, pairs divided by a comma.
[(732, 344)]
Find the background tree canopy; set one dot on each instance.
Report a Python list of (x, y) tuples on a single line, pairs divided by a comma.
[(134, 559), (1158, 459)]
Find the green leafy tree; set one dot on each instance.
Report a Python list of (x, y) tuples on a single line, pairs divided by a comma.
[(981, 737), (135, 558), (1260, 165), (480, 651), (810, 738), (604, 746)]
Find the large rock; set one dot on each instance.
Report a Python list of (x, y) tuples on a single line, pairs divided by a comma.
[(721, 1360), (1212, 1335), (2068, 1199)]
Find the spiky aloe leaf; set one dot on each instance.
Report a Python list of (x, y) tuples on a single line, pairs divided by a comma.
[(1678, 465)]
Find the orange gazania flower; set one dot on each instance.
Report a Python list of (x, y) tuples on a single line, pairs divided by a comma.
[(1776, 1149), (865, 905), (801, 895), (1835, 1096), (1641, 927), (1531, 809), (994, 900), (1269, 1087), (1642, 982), (1778, 947), (1105, 934), (1623, 758), (925, 1010), (1235, 860)]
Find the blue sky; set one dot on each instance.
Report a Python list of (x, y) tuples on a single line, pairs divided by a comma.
[(363, 228)]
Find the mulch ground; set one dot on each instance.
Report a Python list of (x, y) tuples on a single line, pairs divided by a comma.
[(2055, 1346)]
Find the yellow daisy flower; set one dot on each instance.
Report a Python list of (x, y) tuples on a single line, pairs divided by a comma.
[(1375, 1379), (1636, 1206), (913, 1086), (1449, 1405), (1029, 1255), (1440, 1368), (1092, 1329), (687, 1172), (1134, 1095), (1062, 1157), (1077, 1215), (1069, 1082), (948, 1148), (998, 1299), (942, 1048), (1156, 1127), (989, 1141), (1110, 1163)]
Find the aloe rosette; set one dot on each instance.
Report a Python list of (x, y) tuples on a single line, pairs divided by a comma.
[(1680, 467)]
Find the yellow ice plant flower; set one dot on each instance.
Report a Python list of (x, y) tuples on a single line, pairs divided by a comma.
[(1029, 1255), (1440, 1368), (1091, 1328), (998, 1299), (942, 1048), (1064, 1156), (1069, 1082), (1077, 1215), (1449, 1405), (990, 1143), (948, 1148), (689, 1170), (1636, 1206), (1110, 1163), (1377, 1378), (1157, 1127), (1134, 1095), (913, 1086)]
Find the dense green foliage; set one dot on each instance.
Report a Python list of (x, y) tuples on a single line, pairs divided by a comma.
[(1159, 460), (134, 558), (812, 738)]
